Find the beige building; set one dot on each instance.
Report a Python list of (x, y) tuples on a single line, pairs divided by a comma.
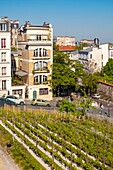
[(35, 49), (5, 57), (64, 40)]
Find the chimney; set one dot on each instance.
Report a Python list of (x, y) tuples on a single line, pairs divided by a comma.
[(44, 24)]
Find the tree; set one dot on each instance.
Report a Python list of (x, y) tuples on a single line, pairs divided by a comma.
[(108, 68), (62, 75), (90, 82), (55, 48), (68, 107), (80, 46)]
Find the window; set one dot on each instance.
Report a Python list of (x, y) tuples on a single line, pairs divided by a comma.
[(36, 52), (3, 70), (40, 79), (17, 91), (44, 52), (102, 64), (2, 27), (35, 79), (43, 91), (36, 65), (3, 84), (111, 53), (40, 54), (3, 57), (39, 37), (44, 78), (102, 56), (3, 43)]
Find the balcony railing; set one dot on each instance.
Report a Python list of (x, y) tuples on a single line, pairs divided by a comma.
[(44, 69), (41, 57)]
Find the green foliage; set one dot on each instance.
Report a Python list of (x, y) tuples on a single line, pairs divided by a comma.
[(90, 82), (80, 47), (84, 104), (67, 106), (107, 71), (14, 49), (108, 68), (55, 48), (62, 75)]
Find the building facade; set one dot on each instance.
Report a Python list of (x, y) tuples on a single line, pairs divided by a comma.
[(35, 49), (14, 24), (97, 57), (5, 57), (64, 40)]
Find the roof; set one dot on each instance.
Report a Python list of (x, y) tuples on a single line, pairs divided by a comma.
[(109, 84), (86, 50), (67, 48), (21, 73)]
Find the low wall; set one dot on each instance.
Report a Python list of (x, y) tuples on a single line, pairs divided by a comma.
[(105, 90)]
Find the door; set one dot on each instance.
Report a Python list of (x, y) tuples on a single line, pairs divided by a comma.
[(34, 94)]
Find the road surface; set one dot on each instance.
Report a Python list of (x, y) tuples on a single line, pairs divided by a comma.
[(6, 162)]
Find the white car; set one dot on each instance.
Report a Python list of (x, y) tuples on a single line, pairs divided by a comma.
[(15, 99), (96, 96)]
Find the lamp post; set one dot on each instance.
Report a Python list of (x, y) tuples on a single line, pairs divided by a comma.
[(108, 108)]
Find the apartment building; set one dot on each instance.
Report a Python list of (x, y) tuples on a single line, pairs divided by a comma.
[(64, 40), (35, 49), (5, 57), (96, 56), (14, 24)]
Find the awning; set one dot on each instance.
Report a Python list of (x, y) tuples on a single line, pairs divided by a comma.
[(21, 73)]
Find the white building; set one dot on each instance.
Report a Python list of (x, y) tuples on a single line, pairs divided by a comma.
[(97, 57), (5, 57)]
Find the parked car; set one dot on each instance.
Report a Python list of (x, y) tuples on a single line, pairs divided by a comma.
[(6, 101), (96, 96), (2, 101), (40, 102), (15, 99)]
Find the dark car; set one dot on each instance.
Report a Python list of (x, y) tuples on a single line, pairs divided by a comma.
[(2, 101), (6, 101), (9, 102)]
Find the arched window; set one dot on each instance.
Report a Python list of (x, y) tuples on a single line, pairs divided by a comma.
[(44, 52), (36, 66), (35, 79), (44, 78), (36, 52)]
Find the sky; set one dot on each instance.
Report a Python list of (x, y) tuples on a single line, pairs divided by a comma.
[(83, 19)]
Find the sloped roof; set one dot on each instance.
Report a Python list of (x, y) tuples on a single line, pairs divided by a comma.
[(67, 48)]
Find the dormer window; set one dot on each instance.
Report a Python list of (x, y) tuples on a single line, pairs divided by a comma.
[(2, 27)]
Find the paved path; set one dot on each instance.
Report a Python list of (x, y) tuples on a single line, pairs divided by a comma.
[(6, 162)]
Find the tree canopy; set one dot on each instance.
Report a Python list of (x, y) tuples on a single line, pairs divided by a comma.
[(107, 71)]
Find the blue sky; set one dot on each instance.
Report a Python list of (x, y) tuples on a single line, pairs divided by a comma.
[(79, 18)]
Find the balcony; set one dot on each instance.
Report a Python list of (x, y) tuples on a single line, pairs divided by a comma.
[(41, 70), (41, 57), (35, 42)]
